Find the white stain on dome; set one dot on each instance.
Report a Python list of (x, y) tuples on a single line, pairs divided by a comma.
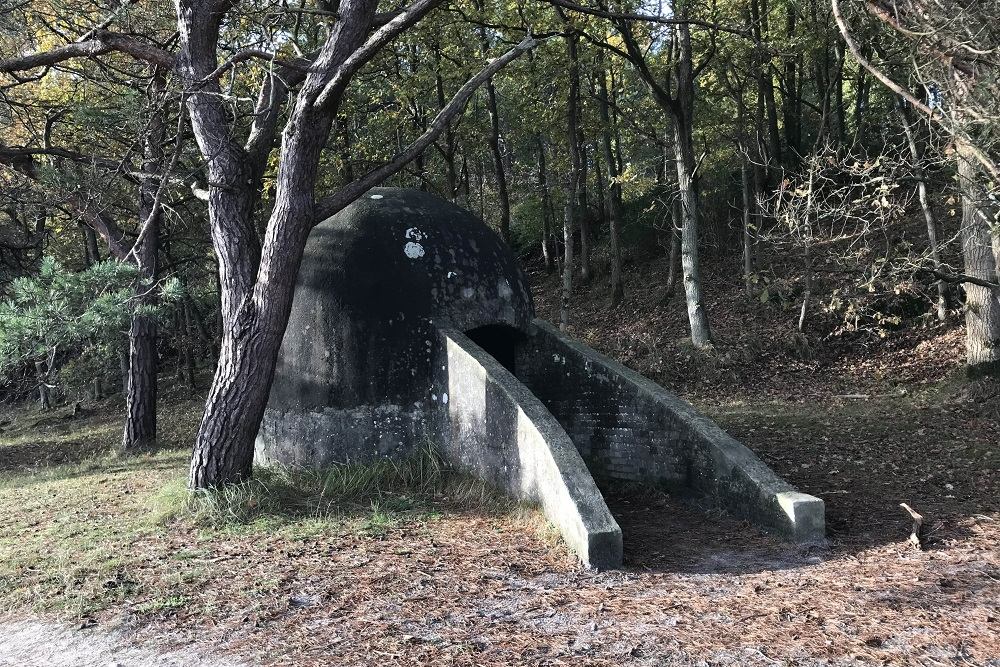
[(375, 196), (413, 250), (415, 234)]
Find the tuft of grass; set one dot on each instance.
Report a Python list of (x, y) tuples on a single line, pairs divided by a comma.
[(384, 489)]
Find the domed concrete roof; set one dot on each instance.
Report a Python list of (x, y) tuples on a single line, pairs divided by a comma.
[(401, 253), (362, 346)]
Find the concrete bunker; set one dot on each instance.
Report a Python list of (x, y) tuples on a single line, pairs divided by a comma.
[(413, 324)]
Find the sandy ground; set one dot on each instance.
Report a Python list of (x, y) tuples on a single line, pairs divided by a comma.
[(43, 644)]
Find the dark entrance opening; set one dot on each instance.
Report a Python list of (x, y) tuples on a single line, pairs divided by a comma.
[(499, 340)]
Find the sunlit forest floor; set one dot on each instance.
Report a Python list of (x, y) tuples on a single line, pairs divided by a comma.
[(428, 578)]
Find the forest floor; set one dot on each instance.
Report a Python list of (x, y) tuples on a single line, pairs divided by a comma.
[(97, 540)]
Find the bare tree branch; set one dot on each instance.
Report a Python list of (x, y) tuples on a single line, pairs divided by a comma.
[(335, 87), (648, 18), (101, 43)]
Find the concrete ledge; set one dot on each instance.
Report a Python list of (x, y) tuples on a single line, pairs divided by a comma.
[(630, 428), (501, 432)]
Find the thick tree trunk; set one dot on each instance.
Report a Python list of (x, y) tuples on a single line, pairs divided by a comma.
[(982, 304), (140, 411)]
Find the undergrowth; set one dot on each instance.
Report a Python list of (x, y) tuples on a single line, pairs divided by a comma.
[(382, 487)]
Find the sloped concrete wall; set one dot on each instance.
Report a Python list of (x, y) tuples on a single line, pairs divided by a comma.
[(627, 427), (501, 433)]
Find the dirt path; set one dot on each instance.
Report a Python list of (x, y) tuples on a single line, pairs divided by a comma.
[(42, 644)]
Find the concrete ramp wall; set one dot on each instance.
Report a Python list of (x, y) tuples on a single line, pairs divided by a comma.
[(628, 428), (501, 433)]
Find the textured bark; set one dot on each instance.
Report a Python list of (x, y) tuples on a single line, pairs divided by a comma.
[(257, 293), (982, 304), (680, 107), (257, 277)]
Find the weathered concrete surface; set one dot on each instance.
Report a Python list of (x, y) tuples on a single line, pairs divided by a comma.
[(355, 375), (29, 643), (628, 428), (500, 432), (413, 324)]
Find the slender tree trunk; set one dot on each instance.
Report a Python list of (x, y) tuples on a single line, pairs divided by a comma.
[(791, 107), (190, 365), (701, 334), (573, 181), (925, 205), (748, 203), (449, 135), (543, 186), (982, 304), (140, 411), (503, 196), (673, 259), (42, 375), (583, 208), (613, 200), (759, 16)]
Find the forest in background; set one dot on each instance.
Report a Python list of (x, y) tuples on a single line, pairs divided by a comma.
[(162, 167)]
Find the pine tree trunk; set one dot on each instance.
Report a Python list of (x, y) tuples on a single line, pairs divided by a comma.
[(140, 411), (982, 304)]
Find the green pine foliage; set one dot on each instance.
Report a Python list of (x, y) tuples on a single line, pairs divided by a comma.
[(70, 320)]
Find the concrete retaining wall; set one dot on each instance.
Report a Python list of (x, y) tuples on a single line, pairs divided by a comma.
[(503, 434), (627, 427)]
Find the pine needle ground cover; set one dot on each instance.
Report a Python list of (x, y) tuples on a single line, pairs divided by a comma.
[(404, 566)]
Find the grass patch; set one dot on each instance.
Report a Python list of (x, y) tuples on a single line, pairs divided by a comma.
[(91, 532), (378, 493)]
